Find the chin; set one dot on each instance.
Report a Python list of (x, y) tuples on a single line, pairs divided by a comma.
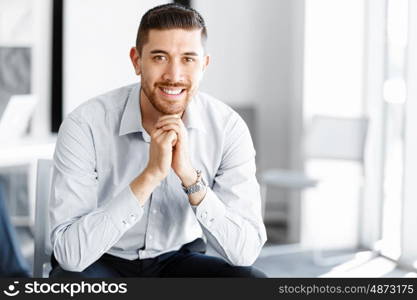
[(170, 110)]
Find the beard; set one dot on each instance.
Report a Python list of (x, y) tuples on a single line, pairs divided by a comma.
[(165, 106)]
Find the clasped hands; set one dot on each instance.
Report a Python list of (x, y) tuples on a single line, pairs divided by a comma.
[(169, 149)]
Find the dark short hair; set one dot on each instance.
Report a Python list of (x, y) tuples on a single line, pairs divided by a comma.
[(169, 16)]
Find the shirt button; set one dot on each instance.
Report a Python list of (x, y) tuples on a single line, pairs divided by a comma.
[(154, 211), (133, 217), (125, 223), (150, 236), (203, 215)]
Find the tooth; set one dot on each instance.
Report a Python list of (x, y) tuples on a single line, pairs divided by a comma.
[(172, 92)]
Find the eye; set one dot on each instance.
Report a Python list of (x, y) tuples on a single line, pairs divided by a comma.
[(159, 58), (189, 59)]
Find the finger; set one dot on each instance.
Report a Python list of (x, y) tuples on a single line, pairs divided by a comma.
[(178, 125), (175, 116), (164, 122), (170, 137), (169, 117), (174, 127), (162, 136), (156, 133), (174, 140)]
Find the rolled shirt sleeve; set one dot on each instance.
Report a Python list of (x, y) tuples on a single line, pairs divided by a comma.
[(230, 213), (80, 230)]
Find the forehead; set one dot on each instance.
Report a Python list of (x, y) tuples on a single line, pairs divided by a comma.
[(174, 41)]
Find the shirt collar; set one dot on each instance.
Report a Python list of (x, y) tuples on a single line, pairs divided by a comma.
[(192, 116), (131, 120)]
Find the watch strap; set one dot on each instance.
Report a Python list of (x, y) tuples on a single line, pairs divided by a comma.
[(197, 186)]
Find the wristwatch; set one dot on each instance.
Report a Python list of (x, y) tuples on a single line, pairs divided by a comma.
[(199, 185)]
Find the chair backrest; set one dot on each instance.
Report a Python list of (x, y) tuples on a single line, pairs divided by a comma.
[(249, 115), (43, 248), (336, 138)]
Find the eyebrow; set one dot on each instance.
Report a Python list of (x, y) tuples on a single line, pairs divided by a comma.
[(192, 53)]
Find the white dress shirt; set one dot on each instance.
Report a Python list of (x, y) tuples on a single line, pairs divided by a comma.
[(102, 147)]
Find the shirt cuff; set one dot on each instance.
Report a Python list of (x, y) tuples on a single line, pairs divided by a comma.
[(124, 209), (209, 209)]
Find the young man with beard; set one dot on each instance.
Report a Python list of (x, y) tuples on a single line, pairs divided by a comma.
[(147, 175)]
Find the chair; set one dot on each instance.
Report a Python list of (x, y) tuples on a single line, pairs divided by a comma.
[(43, 247), (326, 138)]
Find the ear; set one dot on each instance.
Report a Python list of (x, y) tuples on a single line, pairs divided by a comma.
[(135, 58), (206, 61)]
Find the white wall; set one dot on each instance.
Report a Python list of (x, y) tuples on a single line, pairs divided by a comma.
[(26, 23), (257, 59), (409, 220), (374, 76), (41, 67), (98, 35), (333, 86)]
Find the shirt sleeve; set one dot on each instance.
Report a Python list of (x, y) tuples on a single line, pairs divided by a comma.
[(80, 230), (230, 213)]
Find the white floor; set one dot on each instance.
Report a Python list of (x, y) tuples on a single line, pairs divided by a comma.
[(292, 261)]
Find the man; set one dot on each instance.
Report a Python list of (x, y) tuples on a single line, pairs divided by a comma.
[(145, 176)]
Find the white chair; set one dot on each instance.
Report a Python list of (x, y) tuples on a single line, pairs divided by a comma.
[(326, 137), (43, 248)]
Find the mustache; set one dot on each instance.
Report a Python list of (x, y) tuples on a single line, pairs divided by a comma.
[(173, 85)]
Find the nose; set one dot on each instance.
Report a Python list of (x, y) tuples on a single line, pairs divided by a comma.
[(173, 72)]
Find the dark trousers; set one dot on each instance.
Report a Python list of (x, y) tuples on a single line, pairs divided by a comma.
[(189, 261)]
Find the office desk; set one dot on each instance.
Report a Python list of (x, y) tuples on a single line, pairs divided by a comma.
[(22, 156)]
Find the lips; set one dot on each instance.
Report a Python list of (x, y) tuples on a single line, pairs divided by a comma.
[(172, 92)]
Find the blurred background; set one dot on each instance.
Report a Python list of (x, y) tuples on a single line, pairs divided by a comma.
[(328, 89)]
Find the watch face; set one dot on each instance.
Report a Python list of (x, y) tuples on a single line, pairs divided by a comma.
[(196, 187)]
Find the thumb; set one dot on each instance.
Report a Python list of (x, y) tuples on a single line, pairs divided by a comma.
[(171, 137)]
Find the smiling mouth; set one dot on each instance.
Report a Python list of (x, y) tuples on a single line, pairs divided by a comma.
[(171, 92)]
